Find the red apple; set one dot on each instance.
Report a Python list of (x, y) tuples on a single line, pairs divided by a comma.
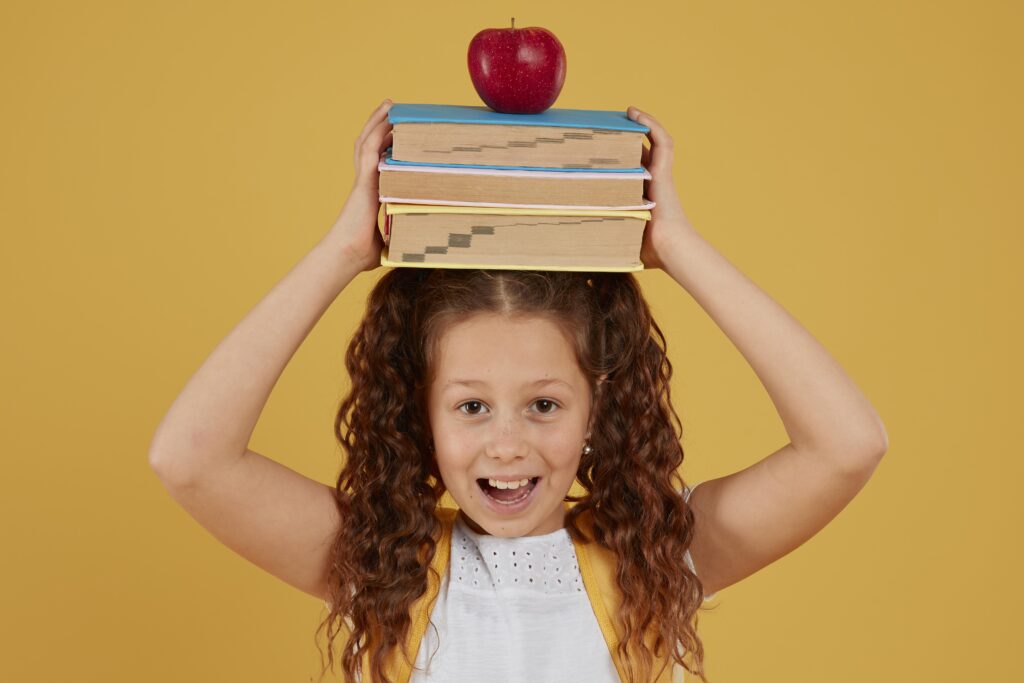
[(517, 70)]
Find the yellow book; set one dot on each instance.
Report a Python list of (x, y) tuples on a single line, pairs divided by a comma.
[(443, 236)]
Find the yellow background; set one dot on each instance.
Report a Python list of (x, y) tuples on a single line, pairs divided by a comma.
[(163, 164)]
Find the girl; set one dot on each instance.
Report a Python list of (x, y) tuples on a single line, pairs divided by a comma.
[(503, 388)]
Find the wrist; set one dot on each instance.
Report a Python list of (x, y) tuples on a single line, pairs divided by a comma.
[(344, 257), (673, 237), (685, 249)]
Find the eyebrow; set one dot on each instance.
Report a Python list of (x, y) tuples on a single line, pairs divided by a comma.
[(477, 382)]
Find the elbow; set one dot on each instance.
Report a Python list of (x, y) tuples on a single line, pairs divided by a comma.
[(857, 455), (160, 465), (156, 462), (883, 444), (879, 445), (172, 456), (870, 454), (158, 457), (873, 442), (171, 469)]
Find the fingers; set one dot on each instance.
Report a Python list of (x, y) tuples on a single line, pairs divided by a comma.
[(379, 114), (367, 155), (645, 161), (658, 134), (376, 127), (374, 139), (662, 146), (386, 142)]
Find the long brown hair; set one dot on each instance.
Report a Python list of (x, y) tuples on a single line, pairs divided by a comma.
[(390, 485)]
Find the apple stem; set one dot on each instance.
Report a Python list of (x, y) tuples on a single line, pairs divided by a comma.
[(513, 23)]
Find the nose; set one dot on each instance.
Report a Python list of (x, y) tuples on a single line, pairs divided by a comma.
[(506, 441)]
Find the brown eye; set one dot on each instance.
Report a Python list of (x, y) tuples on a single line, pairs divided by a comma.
[(545, 406), (470, 402)]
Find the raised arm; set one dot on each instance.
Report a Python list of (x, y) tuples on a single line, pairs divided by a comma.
[(751, 518), (266, 512)]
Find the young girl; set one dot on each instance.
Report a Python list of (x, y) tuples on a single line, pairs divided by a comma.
[(503, 388)]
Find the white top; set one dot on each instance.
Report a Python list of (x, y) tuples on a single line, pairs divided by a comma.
[(514, 609)]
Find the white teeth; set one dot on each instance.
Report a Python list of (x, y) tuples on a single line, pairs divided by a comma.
[(507, 484)]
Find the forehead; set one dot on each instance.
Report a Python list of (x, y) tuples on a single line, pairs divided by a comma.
[(502, 347)]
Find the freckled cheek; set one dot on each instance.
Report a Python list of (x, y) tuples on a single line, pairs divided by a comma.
[(456, 453), (567, 471)]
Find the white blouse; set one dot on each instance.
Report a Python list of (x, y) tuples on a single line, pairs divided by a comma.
[(514, 609)]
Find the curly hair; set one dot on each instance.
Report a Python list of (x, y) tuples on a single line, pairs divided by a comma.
[(390, 485)]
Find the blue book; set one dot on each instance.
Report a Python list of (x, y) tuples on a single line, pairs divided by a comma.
[(389, 160), (478, 137), (558, 118)]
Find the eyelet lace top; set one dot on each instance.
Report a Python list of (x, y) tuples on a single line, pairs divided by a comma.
[(513, 609), (539, 564)]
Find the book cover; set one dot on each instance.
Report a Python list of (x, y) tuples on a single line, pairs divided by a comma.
[(392, 209), (388, 164), (559, 118), (390, 161), (560, 208)]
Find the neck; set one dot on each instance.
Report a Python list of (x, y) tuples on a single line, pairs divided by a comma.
[(476, 528)]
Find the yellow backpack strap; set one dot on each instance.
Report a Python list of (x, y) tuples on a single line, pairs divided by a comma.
[(398, 668), (597, 567)]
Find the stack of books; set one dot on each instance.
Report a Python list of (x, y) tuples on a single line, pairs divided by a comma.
[(468, 187)]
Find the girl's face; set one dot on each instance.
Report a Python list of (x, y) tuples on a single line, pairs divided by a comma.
[(508, 402)]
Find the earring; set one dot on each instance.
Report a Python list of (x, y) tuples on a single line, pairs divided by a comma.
[(587, 449)]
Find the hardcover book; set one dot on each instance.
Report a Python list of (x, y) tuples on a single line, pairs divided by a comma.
[(566, 139), (512, 238), (470, 186)]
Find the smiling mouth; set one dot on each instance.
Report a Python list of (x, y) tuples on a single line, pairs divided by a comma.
[(507, 496)]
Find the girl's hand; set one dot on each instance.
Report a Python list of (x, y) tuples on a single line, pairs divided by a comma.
[(668, 221), (355, 230)]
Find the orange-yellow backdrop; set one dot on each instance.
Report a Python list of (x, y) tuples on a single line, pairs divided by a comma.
[(165, 163)]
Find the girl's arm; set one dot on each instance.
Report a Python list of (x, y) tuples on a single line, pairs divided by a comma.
[(268, 513), (751, 518)]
